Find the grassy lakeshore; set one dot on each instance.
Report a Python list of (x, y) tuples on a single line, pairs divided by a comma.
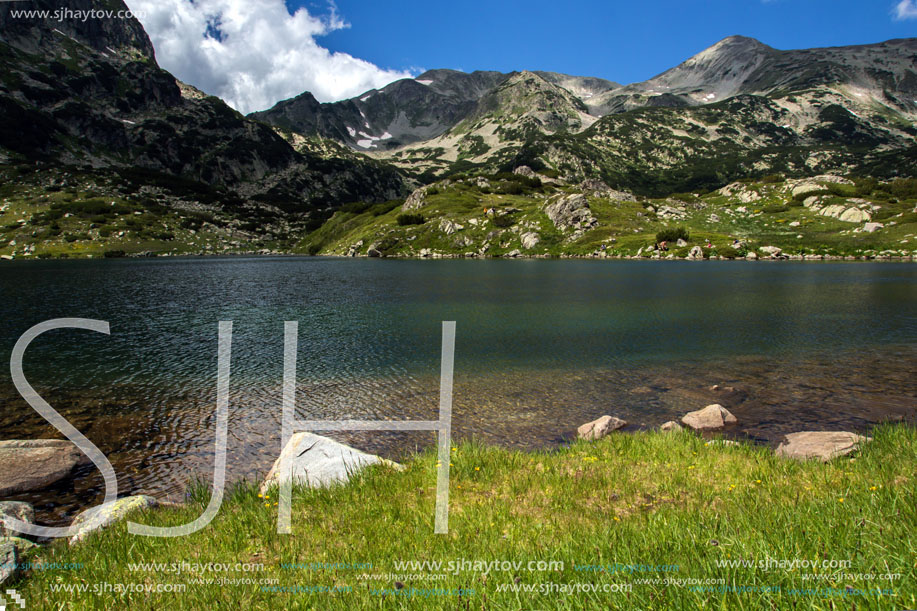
[(661, 517)]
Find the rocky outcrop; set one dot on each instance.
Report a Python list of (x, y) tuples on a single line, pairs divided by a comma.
[(105, 515), (449, 227), (36, 464), (571, 212), (415, 200), (599, 428), (600, 189), (670, 213), (318, 461), (820, 445), (815, 184), (713, 416), (530, 240), (14, 509), (696, 254), (741, 192), (355, 248)]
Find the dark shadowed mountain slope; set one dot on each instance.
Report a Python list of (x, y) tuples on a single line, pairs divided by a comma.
[(90, 94)]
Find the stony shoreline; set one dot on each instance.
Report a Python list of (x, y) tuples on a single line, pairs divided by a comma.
[(39, 463), (431, 256)]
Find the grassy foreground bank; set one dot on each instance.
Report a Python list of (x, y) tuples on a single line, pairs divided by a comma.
[(659, 517)]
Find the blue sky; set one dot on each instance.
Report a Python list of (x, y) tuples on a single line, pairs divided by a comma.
[(621, 41)]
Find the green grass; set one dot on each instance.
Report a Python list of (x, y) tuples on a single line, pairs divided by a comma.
[(624, 228), (52, 213), (647, 498)]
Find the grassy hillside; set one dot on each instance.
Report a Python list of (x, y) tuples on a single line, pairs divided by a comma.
[(53, 212), (665, 519), (758, 213)]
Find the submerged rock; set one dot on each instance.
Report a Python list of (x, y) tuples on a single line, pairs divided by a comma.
[(822, 445), (711, 417), (599, 428), (319, 461), (36, 463)]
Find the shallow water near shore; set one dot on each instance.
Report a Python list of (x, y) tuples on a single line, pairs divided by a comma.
[(541, 347)]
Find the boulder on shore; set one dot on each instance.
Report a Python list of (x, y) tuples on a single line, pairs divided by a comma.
[(14, 509), (105, 515), (34, 464), (9, 562), (822, 445), (711, 417), (671, 425), (599, 428), (319, 461)]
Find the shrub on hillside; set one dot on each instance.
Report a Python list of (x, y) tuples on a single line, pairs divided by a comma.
[(903, 188), (673, 234), (410, 219), (727, 252), (504, 220)]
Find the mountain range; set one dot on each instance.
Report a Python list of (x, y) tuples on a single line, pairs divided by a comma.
[(102, 151), (813, 110)]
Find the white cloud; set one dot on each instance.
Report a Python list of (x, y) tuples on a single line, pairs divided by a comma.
[(253, 53), (906, 9)]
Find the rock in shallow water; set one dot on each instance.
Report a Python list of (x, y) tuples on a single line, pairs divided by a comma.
[(822, 445), (36, 463), (711, 417), (599, 428), (671, 425)]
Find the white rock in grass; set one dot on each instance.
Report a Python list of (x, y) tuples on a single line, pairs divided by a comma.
[(319, 461), (101, 516)]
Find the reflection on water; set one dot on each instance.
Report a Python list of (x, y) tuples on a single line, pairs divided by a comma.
[(542, 346)]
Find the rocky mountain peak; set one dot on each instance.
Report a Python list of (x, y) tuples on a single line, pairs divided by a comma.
[(111, 36), (715, 73)]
